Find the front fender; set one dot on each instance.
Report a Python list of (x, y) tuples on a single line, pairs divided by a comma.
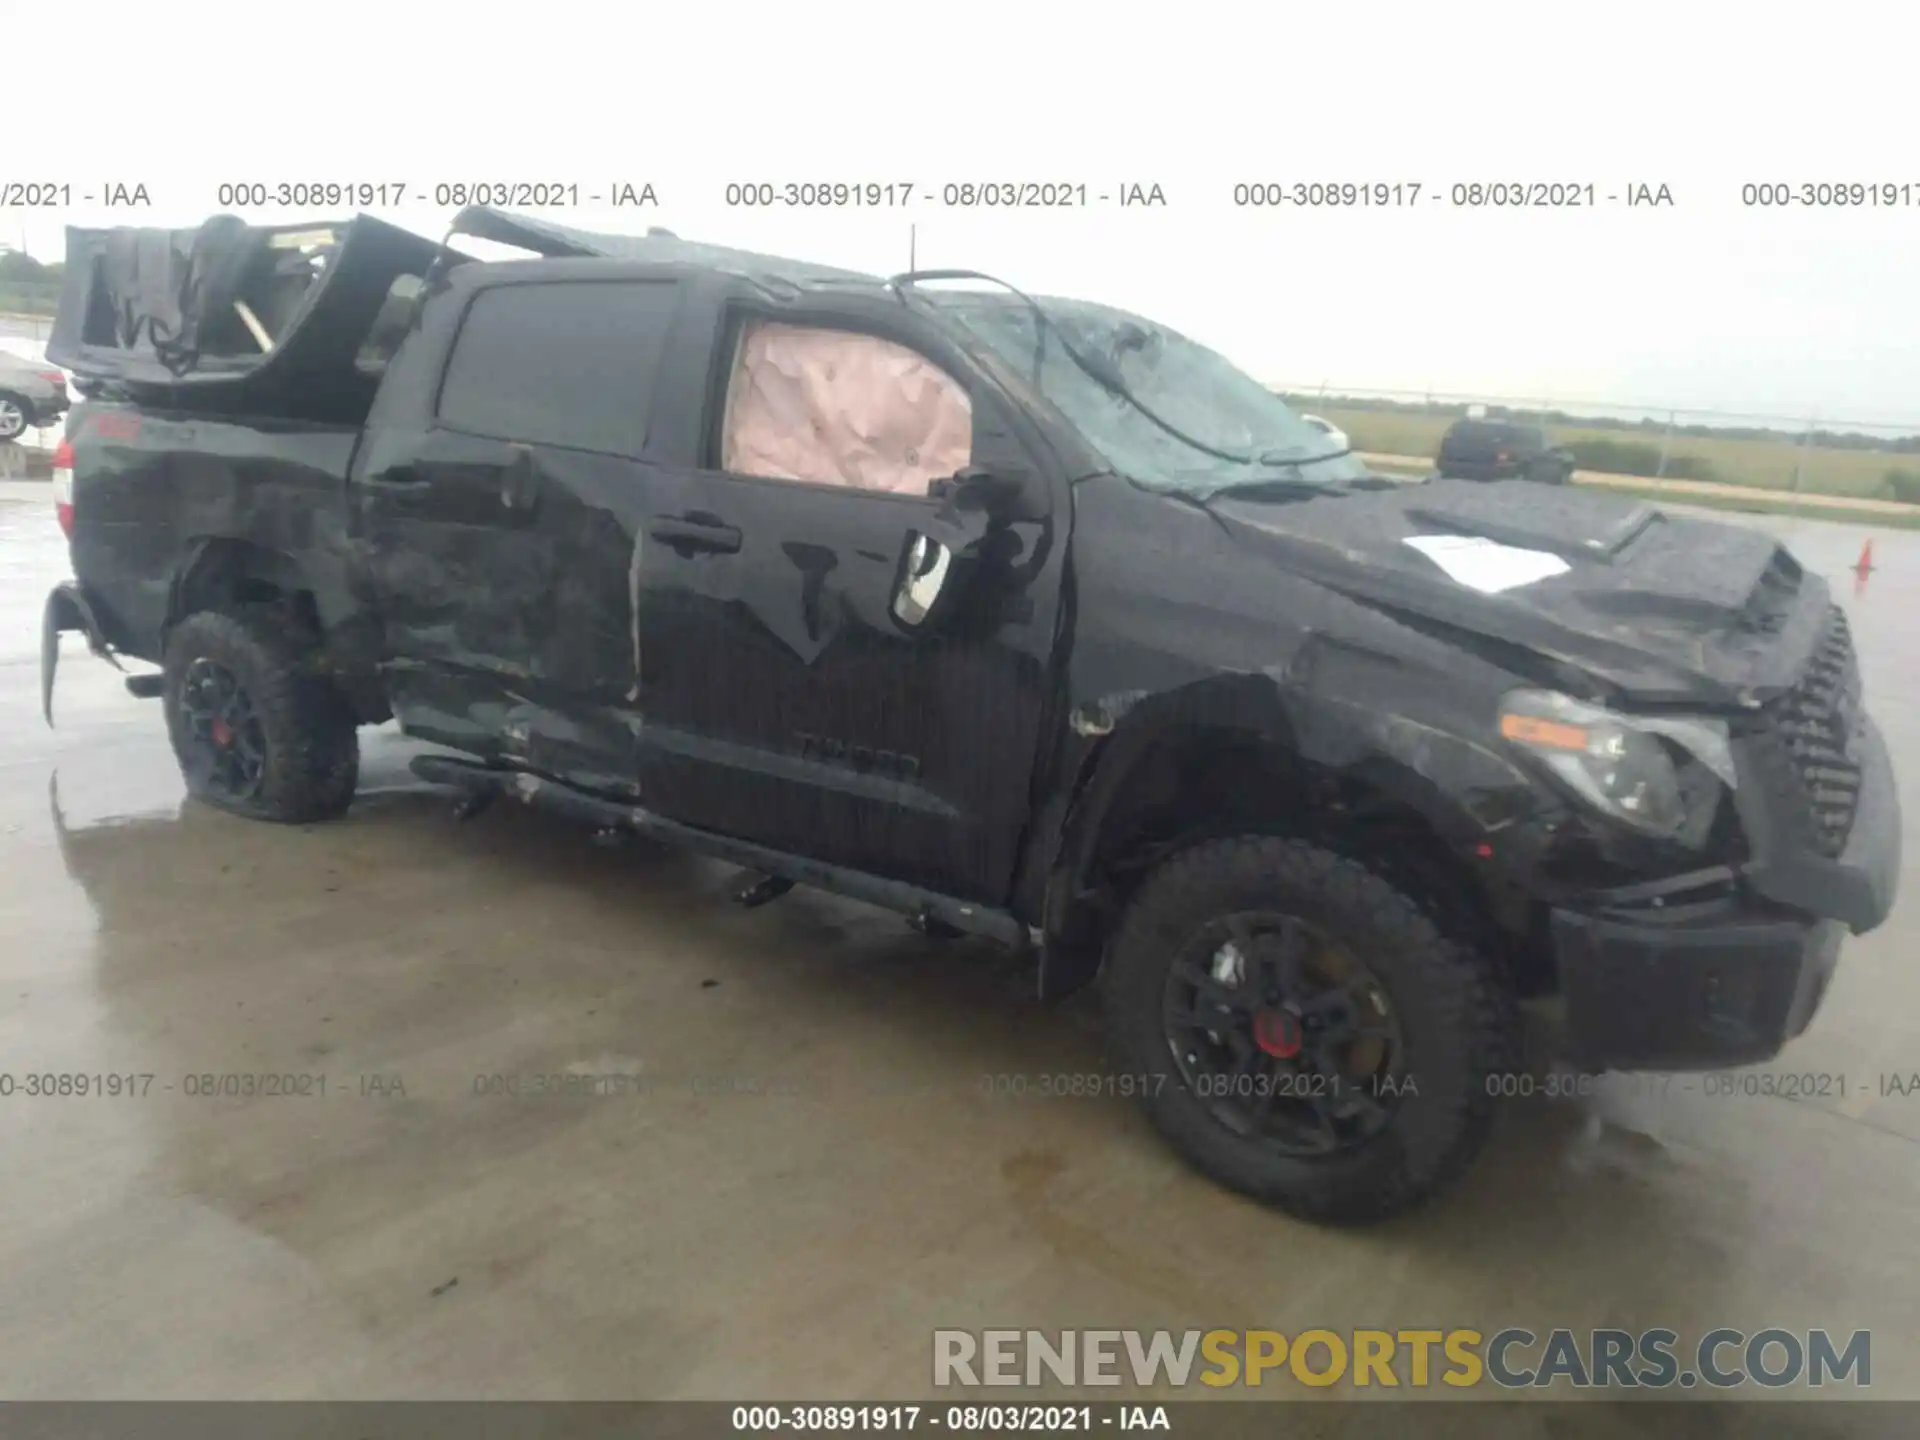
[(1414, 754)]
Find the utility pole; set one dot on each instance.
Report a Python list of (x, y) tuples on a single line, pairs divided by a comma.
[(1666, 447)]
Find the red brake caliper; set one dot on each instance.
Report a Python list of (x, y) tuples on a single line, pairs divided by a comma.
[(1277, 1033)]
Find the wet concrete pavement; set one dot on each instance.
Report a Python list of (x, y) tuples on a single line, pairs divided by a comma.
[(813, 1178)]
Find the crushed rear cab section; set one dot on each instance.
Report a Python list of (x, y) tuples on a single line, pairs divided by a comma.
[(262, 318)]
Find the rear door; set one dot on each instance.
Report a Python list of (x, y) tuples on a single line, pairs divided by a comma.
[(786, 703), (504, 486)]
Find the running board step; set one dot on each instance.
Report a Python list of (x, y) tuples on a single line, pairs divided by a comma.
[(760, 889), (601, 813)]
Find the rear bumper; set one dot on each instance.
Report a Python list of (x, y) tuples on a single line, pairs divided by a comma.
[(1732, 981), (67, 608), (42, 413), (1474, 470)]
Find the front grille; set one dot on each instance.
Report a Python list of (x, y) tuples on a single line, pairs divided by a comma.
[(1807, 746)]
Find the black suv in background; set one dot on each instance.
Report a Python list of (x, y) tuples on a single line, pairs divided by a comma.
[(1502, 450)]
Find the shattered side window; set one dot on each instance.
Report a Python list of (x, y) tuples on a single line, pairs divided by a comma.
[(837, 408)]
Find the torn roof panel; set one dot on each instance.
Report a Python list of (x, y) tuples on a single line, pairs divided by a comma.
[(272, 315), (269, 314), (544, 237)]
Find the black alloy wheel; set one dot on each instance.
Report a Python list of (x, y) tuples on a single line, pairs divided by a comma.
[(223, 747), (1283, 1035)]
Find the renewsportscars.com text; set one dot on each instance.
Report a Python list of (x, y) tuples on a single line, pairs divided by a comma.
[(1512, 1358)]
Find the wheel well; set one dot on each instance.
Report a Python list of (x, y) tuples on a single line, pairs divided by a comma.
[(225, 573), (1202, 783)]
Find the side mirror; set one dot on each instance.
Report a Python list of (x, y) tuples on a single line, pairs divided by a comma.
[(939, 559), (1002, 494), (921, 592)]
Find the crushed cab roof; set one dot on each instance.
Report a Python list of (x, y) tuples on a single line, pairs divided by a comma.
[(279, 308), (553, 241)]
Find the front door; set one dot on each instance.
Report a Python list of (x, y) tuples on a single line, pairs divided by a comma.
[(789, 705)]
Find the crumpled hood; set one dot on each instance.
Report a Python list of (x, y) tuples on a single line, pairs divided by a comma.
[(1662, 608)]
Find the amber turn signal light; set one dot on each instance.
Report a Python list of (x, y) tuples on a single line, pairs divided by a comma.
[(1550, 734)]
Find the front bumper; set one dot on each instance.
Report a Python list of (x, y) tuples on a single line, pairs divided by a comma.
[(1731, 980), (1730, 991)]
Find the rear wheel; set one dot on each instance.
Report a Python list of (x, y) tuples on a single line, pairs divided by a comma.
[(13, 418), (257, 728), (1302, 1031)]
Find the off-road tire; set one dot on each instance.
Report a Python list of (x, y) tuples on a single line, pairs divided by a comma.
[(1456, 1016), (312, 748)]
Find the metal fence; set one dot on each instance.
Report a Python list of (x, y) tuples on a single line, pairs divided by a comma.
[(1835, 455)]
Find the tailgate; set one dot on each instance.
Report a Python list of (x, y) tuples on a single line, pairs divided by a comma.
[(1476, 446)]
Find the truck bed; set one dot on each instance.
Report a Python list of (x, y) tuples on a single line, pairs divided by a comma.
[(164, 497)]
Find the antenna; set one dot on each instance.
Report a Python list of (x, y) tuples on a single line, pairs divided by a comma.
[(912, 248)]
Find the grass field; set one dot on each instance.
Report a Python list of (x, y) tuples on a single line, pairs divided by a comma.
[(1764, 464)]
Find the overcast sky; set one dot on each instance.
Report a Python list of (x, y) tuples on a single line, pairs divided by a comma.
[(1705, 304)]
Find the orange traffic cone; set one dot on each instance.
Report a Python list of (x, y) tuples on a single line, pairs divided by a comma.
[(1864, 565)]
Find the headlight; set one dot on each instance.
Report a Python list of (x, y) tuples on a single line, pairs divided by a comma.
[(1660, 775)]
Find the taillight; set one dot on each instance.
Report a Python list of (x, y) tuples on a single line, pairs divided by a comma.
[(63, 486), (1502, 458), (55, 378)]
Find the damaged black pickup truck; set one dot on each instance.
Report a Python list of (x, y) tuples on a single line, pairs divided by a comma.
[(1025, 617)]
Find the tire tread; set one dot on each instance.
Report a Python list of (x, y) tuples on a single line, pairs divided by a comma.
[(1462, 997), (312, 741)]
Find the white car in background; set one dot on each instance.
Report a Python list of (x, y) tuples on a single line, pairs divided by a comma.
[(1327, 428), (33, 394)]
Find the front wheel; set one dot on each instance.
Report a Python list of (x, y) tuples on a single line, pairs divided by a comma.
[(257, 729), (1302, 1031)]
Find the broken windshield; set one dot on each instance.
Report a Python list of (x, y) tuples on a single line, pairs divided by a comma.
[(1160, 408)]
